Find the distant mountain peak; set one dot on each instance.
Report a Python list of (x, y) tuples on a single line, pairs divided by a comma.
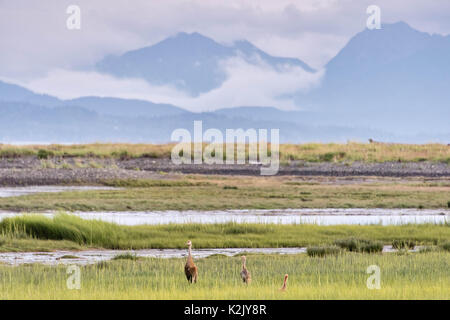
[(398, 24), (244, 44), (392, 42), (395, 74), (189, 61), (399, 28), (193, 36)]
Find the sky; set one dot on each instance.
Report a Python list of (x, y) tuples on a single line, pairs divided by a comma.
[(39, 52)]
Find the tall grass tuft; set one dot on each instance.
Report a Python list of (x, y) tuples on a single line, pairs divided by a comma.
[(94, 233), (313, 152), (323, 251), (126, 256), (66, 227), (446, 246), (404, 244), (360, 245), (44, 154), (414, 276)]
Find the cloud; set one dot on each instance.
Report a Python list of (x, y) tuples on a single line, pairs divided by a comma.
[(34, 38), (255, 84), (39, 52)]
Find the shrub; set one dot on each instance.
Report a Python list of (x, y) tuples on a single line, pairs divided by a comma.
[(151, 155), (322, 251), (69, 256), (351, 244), (372, 247), (360, 245), (44, 154), (122, 155), (327, 157), (230, 188), (404, 244), (446, 246), (332, 156), (126, 256)]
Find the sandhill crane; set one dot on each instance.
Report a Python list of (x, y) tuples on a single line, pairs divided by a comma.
[(245, 274), (190, 269), (283, 288)]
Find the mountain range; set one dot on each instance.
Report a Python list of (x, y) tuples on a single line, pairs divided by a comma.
[(391, 84), (190, 62)]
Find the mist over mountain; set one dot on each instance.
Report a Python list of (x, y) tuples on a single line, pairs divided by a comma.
[(190, 62), (26, 122), (125, 107), (391, 84), (15, 93)]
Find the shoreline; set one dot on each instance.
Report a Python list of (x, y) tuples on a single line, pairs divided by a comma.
[(26, 171)]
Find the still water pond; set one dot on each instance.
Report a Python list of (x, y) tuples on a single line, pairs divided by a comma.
[(94, 256), (23, 191), (285, 216)]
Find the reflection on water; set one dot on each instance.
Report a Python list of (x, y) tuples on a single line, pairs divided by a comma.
[(287, 216), (94, 256), (22, 191)]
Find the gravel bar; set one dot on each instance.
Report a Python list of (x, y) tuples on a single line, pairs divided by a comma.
[(32, 171)]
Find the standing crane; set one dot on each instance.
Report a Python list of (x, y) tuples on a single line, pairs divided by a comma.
[(283, 288), (245, 274), (190, 269)]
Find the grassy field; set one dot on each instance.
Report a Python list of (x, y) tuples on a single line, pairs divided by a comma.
[(216, 192), (339, 275), (403, 276), (75, 232), (313, 152)]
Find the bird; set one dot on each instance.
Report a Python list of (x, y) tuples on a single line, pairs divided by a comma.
[(283, 288), (245, 274), (190, 269)]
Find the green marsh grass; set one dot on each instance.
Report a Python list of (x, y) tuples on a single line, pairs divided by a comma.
[(69, 256), (415, 276), (312, 152), (446, 246), (361, 245), (404, 244), (322, 251), (126, 256), (219, 193), (95, 233)]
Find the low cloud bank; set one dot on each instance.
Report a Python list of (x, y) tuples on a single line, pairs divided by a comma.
[(247, 84)]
